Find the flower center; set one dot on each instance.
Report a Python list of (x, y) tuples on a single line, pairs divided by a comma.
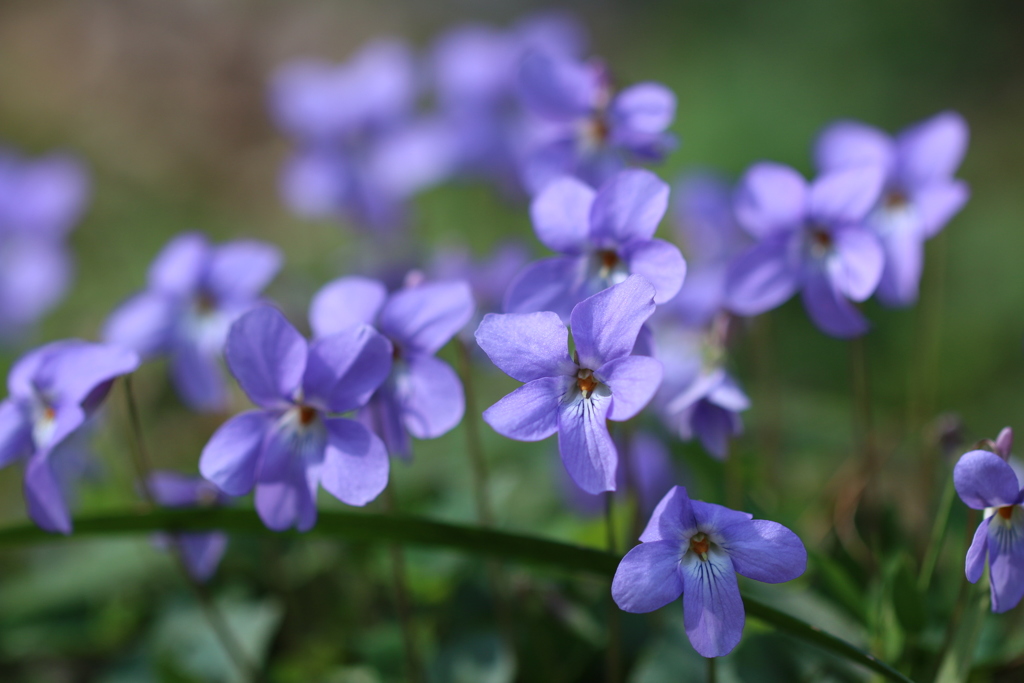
[(1006, 511), (586, 382), (700, 544), (895, 200), (609, 259), (205, 303), (306, 415)]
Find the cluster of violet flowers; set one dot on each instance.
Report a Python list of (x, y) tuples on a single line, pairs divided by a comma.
[(524, 109)]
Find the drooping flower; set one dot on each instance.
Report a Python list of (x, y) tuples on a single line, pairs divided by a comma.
[(40, 202), (588, 130), (603, 236), (52, 391), (811, 239), (200, 551), (195, 292), (295, 442), (574, 396), (920, 194), (986, 481), (422, 395), (696, 549)]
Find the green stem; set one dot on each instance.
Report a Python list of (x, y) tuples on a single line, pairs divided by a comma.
[(938, 535), (712, 677), (474, 444), (377, 528), (403, 607)]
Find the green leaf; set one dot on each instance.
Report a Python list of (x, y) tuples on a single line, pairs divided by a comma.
[(907, 599), (369, 527)]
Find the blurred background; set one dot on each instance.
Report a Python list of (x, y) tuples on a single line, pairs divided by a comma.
[(166, 104)]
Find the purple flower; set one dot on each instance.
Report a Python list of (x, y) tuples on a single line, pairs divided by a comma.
[(489, 278), (986, 481), (586, 129), (696, 549), (812, 239), (294, 442), (602, 237), (708, 408), (195, 292), (51, 393), (574, 396), (422, 395), (201, 552), (920, 194), (40, 202)]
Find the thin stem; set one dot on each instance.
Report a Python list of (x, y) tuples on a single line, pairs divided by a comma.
[(614, 655), (733, 479), (414, 668), (712, 677), (938, 535), (219, 625), (474, 444), (864, 435)]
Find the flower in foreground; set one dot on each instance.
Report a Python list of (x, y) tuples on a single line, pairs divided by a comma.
[(696, 549), (201, 551), (574, 396), (295, 442), (603, 236), (986, 481), (422, 395), (812, 239), (195, 292), (52, 391), (920, 194)]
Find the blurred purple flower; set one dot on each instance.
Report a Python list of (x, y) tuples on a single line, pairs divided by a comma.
[(812, 239), (603, 237), (52, 391), (195, 292), (292, 444), (489, 278), (920, 194), (40, 202), (986, 481), (584, 128), (574, 397), (696, 549), (201, 552), (422, 395)]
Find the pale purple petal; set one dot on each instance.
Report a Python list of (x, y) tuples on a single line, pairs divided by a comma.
[(712, 518), (423, 319), (1004, 443), (938, 202), (728, 395), (714, 426), (288, 440), (846, 195), (173, 489), (561, 215), (15, 431), (202, 552), (712, 607), (628, 207), (49, 195), (829, 310), (44, 497), (587, 450), (1006, 561), (229, 459), (34, 276), (673, 518), (549, 284), (983, 479), (526, 346), (647, 108), (316, 185), (178, 268), (356, 464), (430, 395), (22, 376), (144, 323), (383, 415), (648, 577), (932, 149), (763, 277), (530, 413), (660, 263), (976, 554), (240, 270), (770, 197), (557, 88), (290, 502), (605, 326), (856, 265), (633, 381), (346, 302), (851, 143), (344, 369), (904, 261), (199, 379), (267, 356), (764, 551), (73, 371)]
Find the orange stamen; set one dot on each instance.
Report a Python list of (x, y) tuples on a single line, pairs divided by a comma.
[(587, 384), (700, 544), (306, 415), (1006, 511)]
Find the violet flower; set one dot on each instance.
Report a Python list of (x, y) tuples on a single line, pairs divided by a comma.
[(295, 442), (986, 481), (574, 396), (812, 239), (201, 551), (587, 129), (696, 549), (603, 236), (195, 292), (422, 395), (52, 391), (920, 194)]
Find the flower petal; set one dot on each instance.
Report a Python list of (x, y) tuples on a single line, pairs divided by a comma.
[(551, 284), (976, 554), (202, 552), (764, 551), (290, 502), (71, 371), (557, 88), (628, 207), (561, 215), (605, 326), (633, 381), (672, 520), (143, 323), (424, 318), (587, 450), (526, 346), (230, 457), (1006, 561), (983, 479), (530, 413), (770, 197), (383, 416), (44, 497), (851, 143), (431, 397), (199, 379), (938, 202), (178, 268), (829, 310), (661, 264), (173, 489), (856, 265), (931, 150), (648, 577), (15, 431), (346, 302), (239, 270), (904, 260), (714, 426), (344, 369), (646, 108), (712, 607), (845, 196), (267, 356), (356, 464), (762, 277)]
